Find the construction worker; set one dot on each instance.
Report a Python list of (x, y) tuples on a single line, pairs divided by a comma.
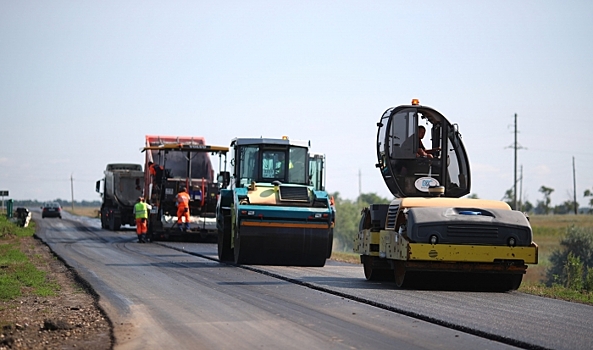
[(182, 200), (156, 172), (141, 209)]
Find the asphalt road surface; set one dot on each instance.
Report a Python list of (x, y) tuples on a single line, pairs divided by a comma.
[(177, 295)]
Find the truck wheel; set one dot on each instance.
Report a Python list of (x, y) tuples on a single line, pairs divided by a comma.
[(114, 223), (225, 252), (111, 223), (103, 220), (117, 224)]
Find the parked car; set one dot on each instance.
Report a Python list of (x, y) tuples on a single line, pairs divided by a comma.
[(51, 210)]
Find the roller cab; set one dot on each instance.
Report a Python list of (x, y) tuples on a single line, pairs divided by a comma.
[(276, 211)]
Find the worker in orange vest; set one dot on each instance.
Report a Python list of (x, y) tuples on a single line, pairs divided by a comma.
[(182, 209), (156, 172)]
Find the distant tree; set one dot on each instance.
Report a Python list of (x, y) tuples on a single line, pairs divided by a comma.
[(589, 193), (509, 197), (371, 198), (547, 192), (528, 207), (565, 208), (348, 213)]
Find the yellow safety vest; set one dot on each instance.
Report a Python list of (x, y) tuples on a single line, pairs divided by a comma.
[(141, 210)]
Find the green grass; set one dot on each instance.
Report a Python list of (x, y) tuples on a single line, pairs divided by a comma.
[(90, 212), (17, 273), (558, 292)]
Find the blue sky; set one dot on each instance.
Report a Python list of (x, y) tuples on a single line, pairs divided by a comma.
[(82, 83)]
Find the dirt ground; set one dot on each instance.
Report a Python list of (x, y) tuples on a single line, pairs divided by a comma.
[(69, 320)]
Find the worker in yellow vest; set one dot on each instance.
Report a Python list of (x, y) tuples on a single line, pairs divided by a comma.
[(141, 209)]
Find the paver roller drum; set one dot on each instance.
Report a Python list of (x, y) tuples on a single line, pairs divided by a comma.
[(288, 246)]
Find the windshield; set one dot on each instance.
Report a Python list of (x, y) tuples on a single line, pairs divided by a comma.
[(263, 163)]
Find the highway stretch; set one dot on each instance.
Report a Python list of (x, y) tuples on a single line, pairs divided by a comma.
[(177, 295)]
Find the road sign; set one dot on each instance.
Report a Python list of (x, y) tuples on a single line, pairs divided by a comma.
[(3, 193)]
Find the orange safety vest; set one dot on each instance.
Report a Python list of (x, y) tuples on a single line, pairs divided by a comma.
[(182, 200)]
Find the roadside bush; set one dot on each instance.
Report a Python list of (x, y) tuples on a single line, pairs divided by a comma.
[(572, 264)]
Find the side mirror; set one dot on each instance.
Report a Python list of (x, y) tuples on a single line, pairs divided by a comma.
[(98, 186)]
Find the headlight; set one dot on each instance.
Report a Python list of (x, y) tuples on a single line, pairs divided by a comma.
[(434, 239)]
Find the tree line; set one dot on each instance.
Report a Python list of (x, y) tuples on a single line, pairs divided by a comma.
[(544, 207), (63, 203)]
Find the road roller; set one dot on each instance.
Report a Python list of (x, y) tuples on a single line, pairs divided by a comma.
[(276, 210), (430, 229)]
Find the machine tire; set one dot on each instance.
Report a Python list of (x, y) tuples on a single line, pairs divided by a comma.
[(237, 249), (515, 281), (374, 274), (111, 225), (114, 223), (330, 244), (225, 252), (103, 221), (400, 273)]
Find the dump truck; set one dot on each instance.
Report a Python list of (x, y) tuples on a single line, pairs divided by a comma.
[(122, 184), (429, 230), (182, 161), (276, 210)]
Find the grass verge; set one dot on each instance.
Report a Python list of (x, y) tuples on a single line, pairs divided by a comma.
[(90, 212), (18, 275)]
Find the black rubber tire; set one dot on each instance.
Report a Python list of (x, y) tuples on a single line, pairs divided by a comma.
[(237, 249), (515, 281), (400, 274), (111, 225), (103, 221), (225, 252), (374, 274), (117, 224)]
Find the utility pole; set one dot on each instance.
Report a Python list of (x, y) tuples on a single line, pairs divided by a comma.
[(574, 186), (515, 172), (72, 191), (359, 185), (521, 190), (516, 147)]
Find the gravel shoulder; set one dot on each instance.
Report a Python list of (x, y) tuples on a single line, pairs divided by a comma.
[(71, 319)]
